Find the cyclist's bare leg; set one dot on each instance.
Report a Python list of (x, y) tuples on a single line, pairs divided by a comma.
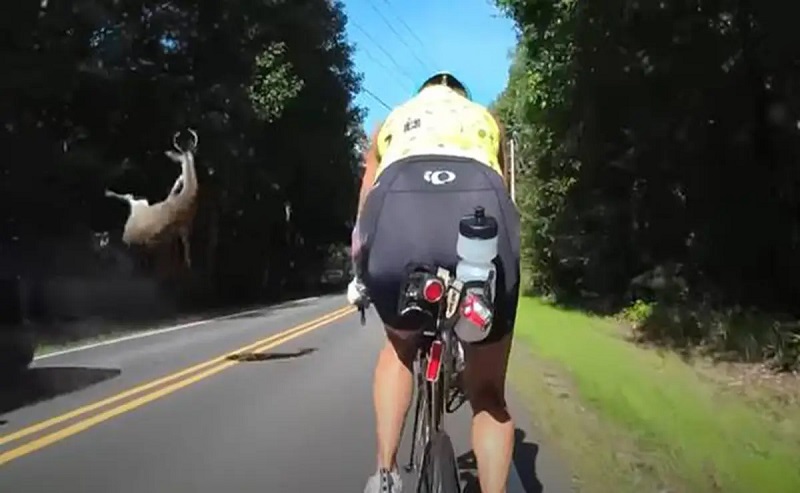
[(492, 427), (392, 392)]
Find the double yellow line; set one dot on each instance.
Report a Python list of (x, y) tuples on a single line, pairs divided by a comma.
[(151, 391)]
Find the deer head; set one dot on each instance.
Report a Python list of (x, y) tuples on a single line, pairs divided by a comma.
[(181, 152)]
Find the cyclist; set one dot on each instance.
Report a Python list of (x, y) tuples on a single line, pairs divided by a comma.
[(433, 159)]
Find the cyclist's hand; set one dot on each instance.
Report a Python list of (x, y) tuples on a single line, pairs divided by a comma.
[(356, 292)]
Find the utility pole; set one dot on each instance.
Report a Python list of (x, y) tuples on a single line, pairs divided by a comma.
[(513, 168)]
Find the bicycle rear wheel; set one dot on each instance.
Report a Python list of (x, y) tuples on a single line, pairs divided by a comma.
[(422, 428), (439, 472)]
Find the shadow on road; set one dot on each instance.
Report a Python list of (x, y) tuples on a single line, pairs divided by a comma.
[(246, 357), (40, 384), (468, 472), (525, 453), (524, 461)]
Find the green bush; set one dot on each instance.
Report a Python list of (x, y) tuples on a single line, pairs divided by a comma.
[(638, 313)]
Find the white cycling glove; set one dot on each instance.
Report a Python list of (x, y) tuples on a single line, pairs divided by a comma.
[(355, 292)]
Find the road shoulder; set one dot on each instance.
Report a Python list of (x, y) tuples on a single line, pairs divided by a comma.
[(538, 464)]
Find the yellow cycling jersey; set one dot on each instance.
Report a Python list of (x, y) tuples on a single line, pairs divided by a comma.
[(440, 121)]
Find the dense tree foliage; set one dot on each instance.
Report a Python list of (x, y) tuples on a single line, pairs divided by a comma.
[(93, 91), (659, 146)]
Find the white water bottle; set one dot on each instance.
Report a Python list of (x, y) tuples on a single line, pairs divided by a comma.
[(477, 248)]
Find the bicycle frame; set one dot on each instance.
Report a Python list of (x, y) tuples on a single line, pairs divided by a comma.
[(434, 368), (432, 380)]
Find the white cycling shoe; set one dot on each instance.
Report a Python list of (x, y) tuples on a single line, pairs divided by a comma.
[(384, 481)]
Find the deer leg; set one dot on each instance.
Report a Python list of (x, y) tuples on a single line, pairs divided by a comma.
[(115, 195), (184, 236), (144, 259), (176, 187)]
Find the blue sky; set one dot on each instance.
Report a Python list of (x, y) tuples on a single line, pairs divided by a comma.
[(470, 38)]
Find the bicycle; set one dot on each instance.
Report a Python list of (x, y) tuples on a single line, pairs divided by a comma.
[(440, 355)]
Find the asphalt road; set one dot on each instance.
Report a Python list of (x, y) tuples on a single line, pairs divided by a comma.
[(167, 412)]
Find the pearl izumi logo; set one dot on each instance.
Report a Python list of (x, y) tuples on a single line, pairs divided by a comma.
[(440, 177)]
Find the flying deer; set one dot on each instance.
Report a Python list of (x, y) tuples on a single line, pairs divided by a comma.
[(150, 225)]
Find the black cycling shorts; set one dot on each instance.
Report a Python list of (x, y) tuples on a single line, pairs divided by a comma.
[(411, 216)]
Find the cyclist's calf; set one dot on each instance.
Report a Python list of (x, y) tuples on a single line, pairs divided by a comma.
[(492, 426)]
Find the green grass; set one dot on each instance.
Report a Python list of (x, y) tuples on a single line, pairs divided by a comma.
[(636, 419)]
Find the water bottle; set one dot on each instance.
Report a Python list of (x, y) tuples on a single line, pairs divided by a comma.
[(477, 248)]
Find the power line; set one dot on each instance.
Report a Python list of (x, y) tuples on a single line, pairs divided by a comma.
[(379, 62), (377, 98), (402, 40), (388, 55), (408, 28)]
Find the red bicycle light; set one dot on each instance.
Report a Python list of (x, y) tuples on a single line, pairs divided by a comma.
[(434, 361), (476, 311), (433, 290)]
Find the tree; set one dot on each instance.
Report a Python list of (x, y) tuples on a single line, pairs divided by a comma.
[(95, 91), (657, 137)]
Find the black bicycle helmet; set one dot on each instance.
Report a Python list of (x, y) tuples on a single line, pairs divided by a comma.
[(447, 79)]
